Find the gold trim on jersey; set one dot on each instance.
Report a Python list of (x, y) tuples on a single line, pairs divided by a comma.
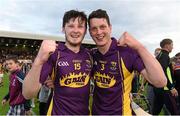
[(128, 77), (50, 108)]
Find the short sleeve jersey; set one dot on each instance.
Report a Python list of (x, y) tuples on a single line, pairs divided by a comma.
[(71, 92), (15, 88), (113, 74)]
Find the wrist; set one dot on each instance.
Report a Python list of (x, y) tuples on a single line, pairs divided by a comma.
[(38, 61), (172, 88)]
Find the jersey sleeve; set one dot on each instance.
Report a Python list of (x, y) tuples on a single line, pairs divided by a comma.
[(47, 69), (137, 62), (131, 59), (20, 76)]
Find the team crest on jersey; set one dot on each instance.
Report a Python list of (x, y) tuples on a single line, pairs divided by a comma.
[(63, 63), (75, 80), (113, 65), (103, 80), (95, 62), (88, 64)]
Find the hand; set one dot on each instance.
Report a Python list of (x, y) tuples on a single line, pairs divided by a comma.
[(3, 102), (28, 112), (174, 92), (1, 82), (142, 87), (49, 83), (0, 79), (47, 48), (127, 40)]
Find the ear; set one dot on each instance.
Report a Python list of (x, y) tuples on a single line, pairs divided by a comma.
[(110, 28), (63, 30), (89, 31)]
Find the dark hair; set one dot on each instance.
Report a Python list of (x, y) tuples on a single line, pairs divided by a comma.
[(99, 13), (178, 54), (14, 58), (74, 14), (165, 42)]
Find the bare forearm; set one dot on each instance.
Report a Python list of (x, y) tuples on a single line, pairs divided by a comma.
[(155, 74), (31, 84)]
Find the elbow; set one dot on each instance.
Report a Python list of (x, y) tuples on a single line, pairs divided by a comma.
[(161, 83), (25, 93), (28, 93)]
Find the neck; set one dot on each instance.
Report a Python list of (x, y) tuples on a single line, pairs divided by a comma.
[(166, 49), (14, 70), (104, 49), (74, 48)]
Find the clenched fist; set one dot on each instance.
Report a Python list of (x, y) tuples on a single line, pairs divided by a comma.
[(47, 48), (127, 40)]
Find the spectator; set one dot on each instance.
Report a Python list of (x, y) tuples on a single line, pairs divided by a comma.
[(1, 74), (18, 104), (43, 98), (150, 91), (177, 75), (167, 94)]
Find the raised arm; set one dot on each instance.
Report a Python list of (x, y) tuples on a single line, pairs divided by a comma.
[(31, 84), (153, 71)]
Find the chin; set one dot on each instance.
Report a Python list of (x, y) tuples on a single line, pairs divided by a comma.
[(100, 44), (75, 44)]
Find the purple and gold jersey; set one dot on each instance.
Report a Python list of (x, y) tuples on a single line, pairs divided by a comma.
[(71, 93), (113, 74)]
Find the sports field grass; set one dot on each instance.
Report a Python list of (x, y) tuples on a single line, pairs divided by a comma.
[(4, 90)]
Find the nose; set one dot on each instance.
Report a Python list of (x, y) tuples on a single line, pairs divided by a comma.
[(76, 29), (99, 31)]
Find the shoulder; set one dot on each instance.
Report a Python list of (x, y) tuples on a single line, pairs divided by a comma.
[(57, 52), (126, 50), (20, 75), (94, 51), (162, 55), (87, 50)]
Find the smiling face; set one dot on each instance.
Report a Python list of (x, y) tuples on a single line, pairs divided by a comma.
[(74, 31), (100, 31)]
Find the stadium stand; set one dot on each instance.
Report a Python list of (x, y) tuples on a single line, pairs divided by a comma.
[(26, 45)]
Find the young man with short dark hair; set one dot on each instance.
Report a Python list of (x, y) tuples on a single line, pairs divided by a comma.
[(72, 65), (114, 66)]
